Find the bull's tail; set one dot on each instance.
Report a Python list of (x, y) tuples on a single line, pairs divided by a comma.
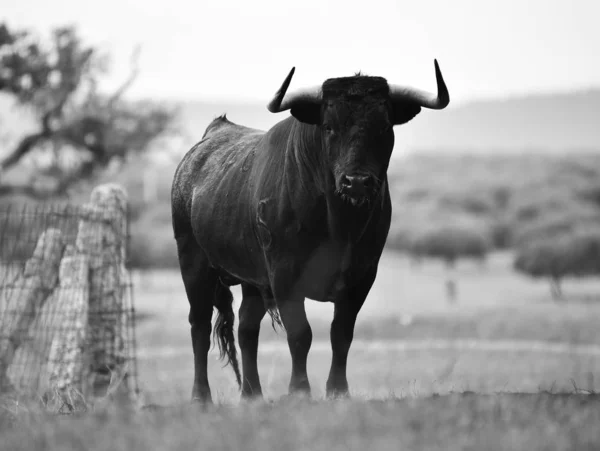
[(223, 333)]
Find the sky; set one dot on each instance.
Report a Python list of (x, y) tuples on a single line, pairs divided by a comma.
[(221, 50)]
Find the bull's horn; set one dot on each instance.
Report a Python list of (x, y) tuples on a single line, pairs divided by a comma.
[(425, 99), (281, 102)]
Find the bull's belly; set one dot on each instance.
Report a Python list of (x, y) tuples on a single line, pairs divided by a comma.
[(318, 278), (236, 264)]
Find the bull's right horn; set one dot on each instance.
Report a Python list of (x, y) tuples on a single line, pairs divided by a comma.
[(281, 102)]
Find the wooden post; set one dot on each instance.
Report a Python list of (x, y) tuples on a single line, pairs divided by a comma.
[(102, 236), (25, 297), (65, 361)]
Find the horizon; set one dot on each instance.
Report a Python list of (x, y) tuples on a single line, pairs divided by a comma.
[(465, 103)]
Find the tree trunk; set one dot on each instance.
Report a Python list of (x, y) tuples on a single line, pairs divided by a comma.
[(482, 263), (556, 289), (451, 289)]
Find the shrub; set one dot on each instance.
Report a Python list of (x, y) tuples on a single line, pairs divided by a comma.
[(575, 253), (554, 223), (449, 242)]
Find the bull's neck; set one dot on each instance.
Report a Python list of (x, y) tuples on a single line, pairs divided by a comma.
[(311, 185), (306, 163)]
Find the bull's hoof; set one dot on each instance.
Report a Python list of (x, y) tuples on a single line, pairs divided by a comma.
[(252, 396), (299, 389), (202, 398), (338, 394), (338, 390)]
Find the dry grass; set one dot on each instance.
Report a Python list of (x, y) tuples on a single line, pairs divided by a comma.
[(450, 398), (464, 421)]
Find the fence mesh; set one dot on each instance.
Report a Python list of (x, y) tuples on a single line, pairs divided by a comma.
[(66, 305)]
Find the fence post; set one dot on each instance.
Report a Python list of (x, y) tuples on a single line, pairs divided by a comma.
[(66, 355), (27, 295), (102, 236)]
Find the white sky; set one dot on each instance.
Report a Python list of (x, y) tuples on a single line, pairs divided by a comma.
[(217, 49)]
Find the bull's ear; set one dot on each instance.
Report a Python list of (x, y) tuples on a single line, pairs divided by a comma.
[(404, 112), (307, 113)]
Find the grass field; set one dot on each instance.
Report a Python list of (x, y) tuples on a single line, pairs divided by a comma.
[(503, 334), (454, 422), (484, 373)]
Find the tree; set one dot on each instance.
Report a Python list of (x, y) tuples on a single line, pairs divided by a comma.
[(574, 253), (80, 131), (556, 223), (450, 242)]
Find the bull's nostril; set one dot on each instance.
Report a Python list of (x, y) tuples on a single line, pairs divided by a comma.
[(357, 184)]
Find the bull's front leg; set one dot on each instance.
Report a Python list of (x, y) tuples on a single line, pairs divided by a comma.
[(299, 338), (342, 331)]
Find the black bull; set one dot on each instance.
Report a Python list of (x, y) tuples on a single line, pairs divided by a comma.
[(300, 211)]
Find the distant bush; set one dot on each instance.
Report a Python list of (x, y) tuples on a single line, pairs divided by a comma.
[(449, 242), (400, 238), (575, 253), (531, 205), (507, 198), (501, 233), (472, 202), (589, 192), (556, 223)]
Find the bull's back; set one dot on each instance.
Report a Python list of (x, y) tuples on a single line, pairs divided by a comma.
[(211, 196)]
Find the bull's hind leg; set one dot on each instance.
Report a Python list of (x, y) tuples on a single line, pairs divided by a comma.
[(252, 311), (299, 338), (342, 332), (200, 283)]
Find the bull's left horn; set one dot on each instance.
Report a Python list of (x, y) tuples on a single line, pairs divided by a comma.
[(425, 99), (281, 102)]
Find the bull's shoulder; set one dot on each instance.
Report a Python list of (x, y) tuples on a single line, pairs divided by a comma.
[(224, 146), (220, 138)]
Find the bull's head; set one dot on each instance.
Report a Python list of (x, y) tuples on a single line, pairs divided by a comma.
[(355, 116)]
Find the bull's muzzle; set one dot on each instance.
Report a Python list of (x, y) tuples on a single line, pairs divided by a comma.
[(357, 189)]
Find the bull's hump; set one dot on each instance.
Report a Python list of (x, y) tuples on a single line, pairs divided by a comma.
[(223, 125)]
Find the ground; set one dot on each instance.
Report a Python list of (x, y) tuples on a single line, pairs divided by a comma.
[(454, 422), (503, 333), (484, 373)]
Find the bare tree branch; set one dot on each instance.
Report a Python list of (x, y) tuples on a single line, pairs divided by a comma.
[(103, 127), (25, 146)]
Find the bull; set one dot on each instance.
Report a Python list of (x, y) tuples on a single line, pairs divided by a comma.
[(299, 211)]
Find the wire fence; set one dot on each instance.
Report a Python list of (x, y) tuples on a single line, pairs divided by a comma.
[(66, 305)]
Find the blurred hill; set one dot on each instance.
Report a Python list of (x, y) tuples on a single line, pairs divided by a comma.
[(550, 123)]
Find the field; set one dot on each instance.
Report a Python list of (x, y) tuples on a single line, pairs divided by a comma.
[(505, 364), (503, 334), (455, 422), (492, 368)]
